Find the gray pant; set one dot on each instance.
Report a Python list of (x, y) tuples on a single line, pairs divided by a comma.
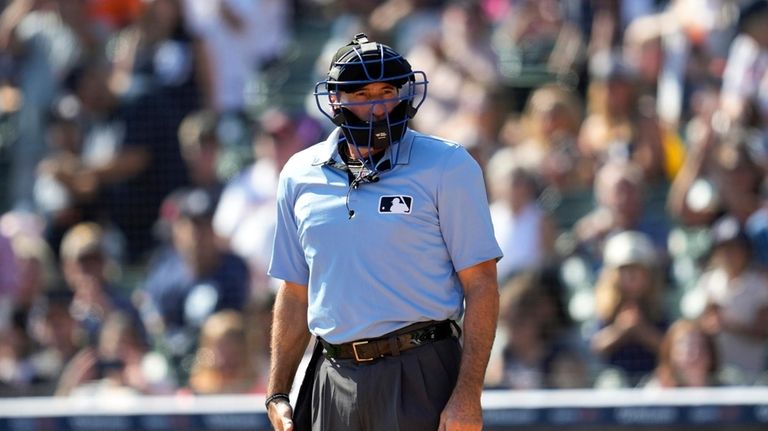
[(395, 393)]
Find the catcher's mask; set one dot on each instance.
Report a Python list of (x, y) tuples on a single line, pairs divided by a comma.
[(355, 65)]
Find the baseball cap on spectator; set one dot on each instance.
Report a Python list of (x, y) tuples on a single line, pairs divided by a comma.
[(186, 203), (197, 204), (629, 248), (727, 230), (82, 240)]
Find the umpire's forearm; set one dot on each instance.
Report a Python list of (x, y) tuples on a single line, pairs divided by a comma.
[(480, 319), (479, 330), (290, 336)]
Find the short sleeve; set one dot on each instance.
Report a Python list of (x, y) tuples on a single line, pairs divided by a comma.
[(465, 218), (288, 262)]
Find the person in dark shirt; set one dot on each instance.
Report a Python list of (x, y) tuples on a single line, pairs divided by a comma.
[(152, 168), (191, 277), (630, 317), (124, 161)]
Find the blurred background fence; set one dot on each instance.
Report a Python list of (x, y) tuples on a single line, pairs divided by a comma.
[(679, 409)]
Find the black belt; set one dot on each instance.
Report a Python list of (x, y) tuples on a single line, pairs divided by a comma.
[(391, 344)]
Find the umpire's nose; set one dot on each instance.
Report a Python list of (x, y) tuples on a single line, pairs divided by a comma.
[(378, 111)]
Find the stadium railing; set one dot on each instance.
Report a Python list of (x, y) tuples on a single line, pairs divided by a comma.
[(742, 408)]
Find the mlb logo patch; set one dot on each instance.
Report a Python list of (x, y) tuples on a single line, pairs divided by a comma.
[(398, 204)]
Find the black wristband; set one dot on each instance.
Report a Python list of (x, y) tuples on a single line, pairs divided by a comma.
[(275, 397)]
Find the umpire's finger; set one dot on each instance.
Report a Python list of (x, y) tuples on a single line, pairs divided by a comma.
[(281, 416)]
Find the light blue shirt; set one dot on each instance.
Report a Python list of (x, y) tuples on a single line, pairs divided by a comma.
[(395, 262)]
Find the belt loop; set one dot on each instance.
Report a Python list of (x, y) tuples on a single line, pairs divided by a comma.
[(457, 327), (394, 347)]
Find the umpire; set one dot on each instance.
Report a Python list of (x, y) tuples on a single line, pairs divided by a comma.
[(383, 242)]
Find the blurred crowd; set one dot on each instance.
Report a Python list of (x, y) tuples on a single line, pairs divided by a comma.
[(624, 143)]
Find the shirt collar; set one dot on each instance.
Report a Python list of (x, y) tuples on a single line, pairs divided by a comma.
[(328, 150)]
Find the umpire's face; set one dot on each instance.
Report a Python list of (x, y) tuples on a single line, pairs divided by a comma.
[(373, 102)]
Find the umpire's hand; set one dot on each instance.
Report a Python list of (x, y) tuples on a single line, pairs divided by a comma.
[(281, 415)]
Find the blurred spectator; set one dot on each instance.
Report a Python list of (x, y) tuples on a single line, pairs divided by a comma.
[(127, 161), (721, 177), (405, 21), (215, 147), (620, 124), (608, 21), (686, 45), (736, 301), (56, 335), (526, 234), (245, 215), (528, 353), (156, 54), (463, 44), (46, 38), (459, 61), (16, 373), (557, 320), (200, 147), (239, 38), (91, 272), (115, 366), (147, 168), (154, 74), (522, 362), (744, 97), (258, 316), (86, 128), (670, 65), (641, 49), (620, 194), (191, 278), (61, 196), (26, 271), (224, 361), (739, 179), (38, 269), (526, 36), (548, 142), (630, 315), (688, 357), (9, 276), (31, 265)]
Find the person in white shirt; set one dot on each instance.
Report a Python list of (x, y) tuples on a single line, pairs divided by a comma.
[(737, 301)]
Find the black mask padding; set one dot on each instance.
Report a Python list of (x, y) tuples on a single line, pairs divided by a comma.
[(379, 134)]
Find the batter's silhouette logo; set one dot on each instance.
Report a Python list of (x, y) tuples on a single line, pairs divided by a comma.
[(395, 204)]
